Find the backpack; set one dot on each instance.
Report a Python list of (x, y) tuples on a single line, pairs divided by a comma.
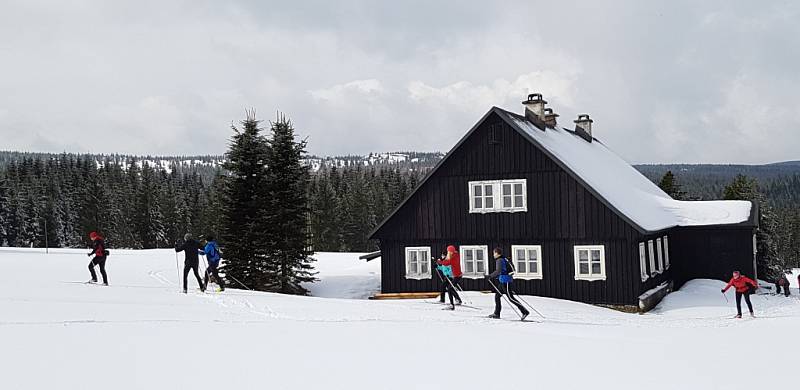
[(214, 252)]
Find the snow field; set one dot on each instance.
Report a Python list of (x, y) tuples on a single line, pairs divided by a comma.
[(141, 333)]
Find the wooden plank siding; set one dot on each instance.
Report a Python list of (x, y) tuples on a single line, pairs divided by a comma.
[(561, 213)]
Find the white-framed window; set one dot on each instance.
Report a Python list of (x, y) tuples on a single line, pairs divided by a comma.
[(660, 254), (643, 262), (497, 196), (527, 261), (418, 262), (474, 260), (666, 252), (590, 262), (651, 254), (481, 195)]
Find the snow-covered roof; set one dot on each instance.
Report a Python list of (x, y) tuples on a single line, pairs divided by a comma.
[(625, 188)]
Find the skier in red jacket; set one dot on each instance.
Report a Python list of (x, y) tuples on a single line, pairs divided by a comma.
[(744, 287), (453, 260)]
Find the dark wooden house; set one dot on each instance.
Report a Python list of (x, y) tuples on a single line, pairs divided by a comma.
[(578, 222)]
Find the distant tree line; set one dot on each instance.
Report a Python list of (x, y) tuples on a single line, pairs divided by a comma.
[(134, 204)]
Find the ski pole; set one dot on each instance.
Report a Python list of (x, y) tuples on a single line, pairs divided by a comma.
[(726, 298), (178, 268), (529, 305), (469, 302), (506, 298), (237, 281)]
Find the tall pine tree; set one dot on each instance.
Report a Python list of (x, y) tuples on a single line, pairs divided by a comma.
[(245, 232), (288, 209)]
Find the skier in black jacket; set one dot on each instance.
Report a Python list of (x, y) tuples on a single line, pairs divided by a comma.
[(503, 271), (190, 248)]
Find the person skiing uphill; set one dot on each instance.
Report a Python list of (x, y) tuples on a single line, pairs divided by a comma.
[(453, 262), (744, 287), (213, 256), (191, 249), (99, 252), (503, 271)]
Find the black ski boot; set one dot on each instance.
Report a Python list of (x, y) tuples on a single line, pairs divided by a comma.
[(494, 316)]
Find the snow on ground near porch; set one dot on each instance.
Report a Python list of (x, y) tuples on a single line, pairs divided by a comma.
[(141, 333)]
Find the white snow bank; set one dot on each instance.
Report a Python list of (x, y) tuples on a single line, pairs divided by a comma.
[(343, 275), (627, 189)]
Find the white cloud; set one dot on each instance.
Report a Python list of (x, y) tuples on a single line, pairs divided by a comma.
[(465, 96), (370, 89)]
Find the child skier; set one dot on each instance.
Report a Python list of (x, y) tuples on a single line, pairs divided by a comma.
[(99, 252), (503, 271), (446, 275), (191, 249), (744, 287), (453, 261), (213, 256)]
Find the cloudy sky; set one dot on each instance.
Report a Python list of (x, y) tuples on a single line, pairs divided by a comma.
[(671, 81)]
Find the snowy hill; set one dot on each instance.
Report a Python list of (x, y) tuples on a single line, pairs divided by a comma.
[(141, 333)]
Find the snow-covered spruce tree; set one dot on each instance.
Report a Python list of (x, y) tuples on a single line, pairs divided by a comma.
[(745, 188), (670, 185), (148, 217), (323, 215), (288, 209), (245, 231)]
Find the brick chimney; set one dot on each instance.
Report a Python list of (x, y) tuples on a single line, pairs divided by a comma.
[(550, 118), (534, 109), (583, 127)]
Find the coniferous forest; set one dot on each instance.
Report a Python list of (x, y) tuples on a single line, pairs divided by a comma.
[(148, 202)]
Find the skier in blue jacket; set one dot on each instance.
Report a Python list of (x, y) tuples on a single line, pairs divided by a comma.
[(213, 256), (503, 271)]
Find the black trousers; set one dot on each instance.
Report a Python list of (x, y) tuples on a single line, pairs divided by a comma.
[(505, 288), (786, 291), (186, 268), (212, 270), (101, 261), (739, 302), (448, 287)]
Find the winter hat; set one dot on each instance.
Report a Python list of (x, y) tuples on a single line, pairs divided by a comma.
[(452, 249), (187, 237), (93, 236)]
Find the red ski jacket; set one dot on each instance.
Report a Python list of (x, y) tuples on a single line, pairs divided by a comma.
[(740, 284), (454, 263)]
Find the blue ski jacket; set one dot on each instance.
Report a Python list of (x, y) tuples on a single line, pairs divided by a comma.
[(446, 270), (212, 253)]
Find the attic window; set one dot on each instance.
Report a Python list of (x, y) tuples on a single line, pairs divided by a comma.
[(498, 196), (495, 133)]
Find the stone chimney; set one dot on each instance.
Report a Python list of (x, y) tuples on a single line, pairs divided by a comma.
[(583, 127), (534, 109), (550, 118)]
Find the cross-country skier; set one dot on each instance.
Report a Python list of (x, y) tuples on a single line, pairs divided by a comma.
[(446, 275), (191, 249), (782, 282), (453, 261), (99, 253), (213, 256), (503, 271), (744, 287)]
